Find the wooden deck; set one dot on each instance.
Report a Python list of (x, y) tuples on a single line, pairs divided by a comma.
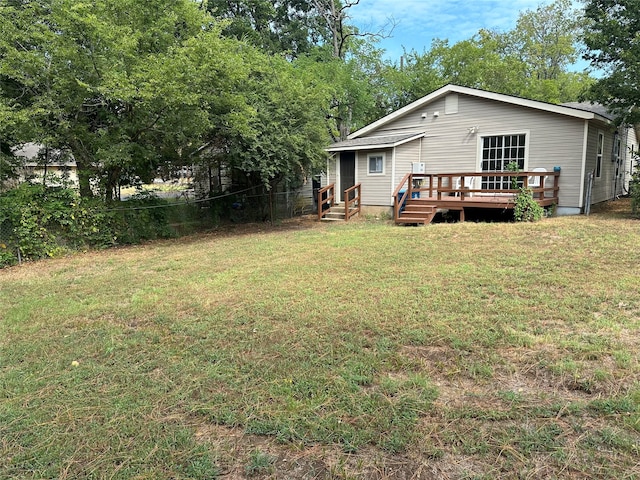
[(457, 191)]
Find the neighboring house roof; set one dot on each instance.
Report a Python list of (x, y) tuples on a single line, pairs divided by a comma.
[(29, 151), (570, 111), (386, 141)]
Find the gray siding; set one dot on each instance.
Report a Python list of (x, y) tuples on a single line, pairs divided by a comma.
[(405, 155), (603, 187), (552, 139), (376, 189)]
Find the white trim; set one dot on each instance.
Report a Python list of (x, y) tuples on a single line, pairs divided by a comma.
[(384, 161), (547, 107), (393, 170), (527, 141), (381, 146), (597, 177), (355, 168), (336, 192), (583, 170)]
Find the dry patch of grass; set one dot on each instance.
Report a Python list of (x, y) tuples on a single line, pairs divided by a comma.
[(307, 350)]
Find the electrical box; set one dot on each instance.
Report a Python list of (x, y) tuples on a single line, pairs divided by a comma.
[(417, 167)]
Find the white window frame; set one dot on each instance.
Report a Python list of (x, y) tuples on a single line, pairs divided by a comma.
[(371, 156), (599, 154), (527, 141)]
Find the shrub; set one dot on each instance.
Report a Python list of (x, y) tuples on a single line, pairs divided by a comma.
[(526, 209), (39, 221), (634, 187)]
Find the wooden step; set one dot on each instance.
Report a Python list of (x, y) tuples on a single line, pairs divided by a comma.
[(417, 211), (332, 216)]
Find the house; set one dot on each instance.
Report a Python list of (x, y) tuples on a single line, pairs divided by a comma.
[(37, 162), (445, 145)]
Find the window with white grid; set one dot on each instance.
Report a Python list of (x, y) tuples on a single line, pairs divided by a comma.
[(498, 151)]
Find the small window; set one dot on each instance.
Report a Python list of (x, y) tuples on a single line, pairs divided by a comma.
[(599, 154), (376, 164)]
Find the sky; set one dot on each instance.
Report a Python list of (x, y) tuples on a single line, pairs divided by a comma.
[(418, 22)]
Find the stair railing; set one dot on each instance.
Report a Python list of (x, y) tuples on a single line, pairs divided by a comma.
[(326, 199), (348, 202), (400, 200)]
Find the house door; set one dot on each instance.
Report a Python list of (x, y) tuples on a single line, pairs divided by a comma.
[(347, 172)]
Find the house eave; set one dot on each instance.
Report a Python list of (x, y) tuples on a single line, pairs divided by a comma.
[(373, 146)]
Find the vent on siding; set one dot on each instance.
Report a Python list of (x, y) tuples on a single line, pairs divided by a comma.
[(451, 103)]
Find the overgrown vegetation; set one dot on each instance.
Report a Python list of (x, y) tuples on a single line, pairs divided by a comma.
[(526, 209), (634, 187), (38, 222), (357, 350)]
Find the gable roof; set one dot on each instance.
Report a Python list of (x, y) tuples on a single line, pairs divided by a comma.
[(571, 111), (383, 141)]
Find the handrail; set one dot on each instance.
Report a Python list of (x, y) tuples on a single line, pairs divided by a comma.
[(329, 200), (397, 202), (448, 187), (356, 190), (444, 185)]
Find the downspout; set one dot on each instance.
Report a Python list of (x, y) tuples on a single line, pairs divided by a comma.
[(616, 160), (583, 169)]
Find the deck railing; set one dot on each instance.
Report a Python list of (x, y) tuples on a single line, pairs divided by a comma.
[(544, 185), (467, 187), (349, 201), (326, 199)]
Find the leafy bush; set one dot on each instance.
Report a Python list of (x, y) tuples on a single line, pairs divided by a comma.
[(526, 209), (634, 187), (41, 221)]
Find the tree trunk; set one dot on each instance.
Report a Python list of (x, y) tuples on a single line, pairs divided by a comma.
[(84, 179), (83, 168)]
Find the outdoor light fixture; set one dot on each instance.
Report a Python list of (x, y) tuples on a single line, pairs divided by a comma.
[(474, 129)]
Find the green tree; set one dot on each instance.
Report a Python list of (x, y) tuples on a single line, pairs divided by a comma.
[(348, 54), (273, 26), (546, 40), (613, 42), (284, 140), (123, 85), (479, 62)]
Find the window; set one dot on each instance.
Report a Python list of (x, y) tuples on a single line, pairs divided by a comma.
[(498, 152), (599, 154), (376, 164)]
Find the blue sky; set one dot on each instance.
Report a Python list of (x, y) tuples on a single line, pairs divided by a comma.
[(421, 21)]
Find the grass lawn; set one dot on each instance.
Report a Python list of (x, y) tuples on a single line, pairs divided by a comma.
[(308, 350)]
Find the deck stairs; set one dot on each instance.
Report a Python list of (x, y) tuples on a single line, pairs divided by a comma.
[(335, 214), (417, 211)]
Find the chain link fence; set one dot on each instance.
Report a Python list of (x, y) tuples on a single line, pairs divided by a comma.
[(187, 213), (175, 214)]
